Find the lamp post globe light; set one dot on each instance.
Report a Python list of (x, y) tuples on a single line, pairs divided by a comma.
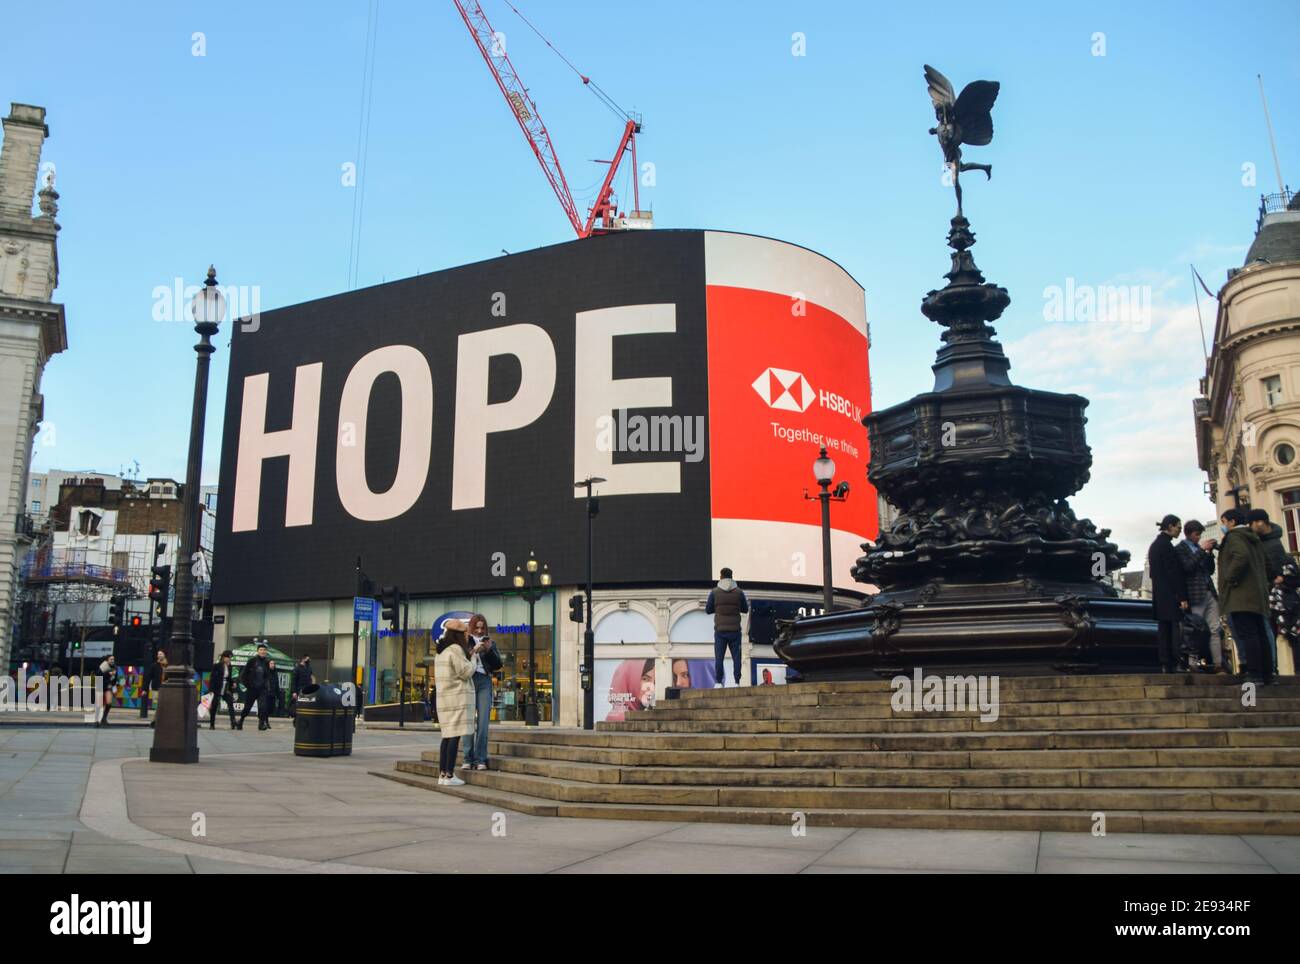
[(824, 473), (176, 737), (532, 587)]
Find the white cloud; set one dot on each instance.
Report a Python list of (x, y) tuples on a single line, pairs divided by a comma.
[(1140, 380)]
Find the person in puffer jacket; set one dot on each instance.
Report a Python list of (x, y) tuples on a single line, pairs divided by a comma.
[(726, 604)]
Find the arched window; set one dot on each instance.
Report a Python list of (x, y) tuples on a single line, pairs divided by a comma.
[(695, 626), (625, 626)]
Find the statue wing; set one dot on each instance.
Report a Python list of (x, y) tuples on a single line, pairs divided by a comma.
[(940, 89), (973, 111)]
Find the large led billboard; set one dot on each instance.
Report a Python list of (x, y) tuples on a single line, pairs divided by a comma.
[(435, 426)]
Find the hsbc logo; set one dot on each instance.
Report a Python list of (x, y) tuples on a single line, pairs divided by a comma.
[(784, 389)]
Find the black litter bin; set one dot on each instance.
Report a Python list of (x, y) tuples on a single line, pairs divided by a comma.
[(322, 725)]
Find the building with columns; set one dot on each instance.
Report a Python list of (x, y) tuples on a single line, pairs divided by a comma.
[(32, 330)]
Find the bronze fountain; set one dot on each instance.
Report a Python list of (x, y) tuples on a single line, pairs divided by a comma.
[(985, 567)]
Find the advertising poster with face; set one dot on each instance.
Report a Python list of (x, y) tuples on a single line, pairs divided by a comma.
[(623, 687)]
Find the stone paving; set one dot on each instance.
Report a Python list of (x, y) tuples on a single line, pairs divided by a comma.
[(80, 800)]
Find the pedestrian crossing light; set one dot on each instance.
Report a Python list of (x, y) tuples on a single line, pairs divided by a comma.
[(575, 609)]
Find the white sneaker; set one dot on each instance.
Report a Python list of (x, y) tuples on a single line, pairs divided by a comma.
[(454, 782), (466, 766), (717, 686), (442, 781)]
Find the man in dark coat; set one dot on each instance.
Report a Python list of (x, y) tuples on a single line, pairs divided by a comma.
[(1275, 558), (1243, 593), (152, 682), (1168, 591), (220, 684), (302, 678), (256, 679)]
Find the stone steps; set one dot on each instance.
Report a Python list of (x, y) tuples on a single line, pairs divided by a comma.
[(1130, 777), (1216, 757), (951, 723), (882, 710), (1093, 799), (1041, 820), (1154, 753)]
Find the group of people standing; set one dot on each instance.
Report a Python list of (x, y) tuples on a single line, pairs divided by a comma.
[(1256, 577), (261, 685), (466, 660)]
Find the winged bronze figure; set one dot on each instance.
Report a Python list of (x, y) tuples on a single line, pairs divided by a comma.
[(963, 119)]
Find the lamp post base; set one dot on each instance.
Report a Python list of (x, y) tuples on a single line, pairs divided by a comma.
[(176, 726), (530, 713)]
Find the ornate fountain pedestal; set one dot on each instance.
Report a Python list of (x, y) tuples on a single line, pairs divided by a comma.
[(986, 567)]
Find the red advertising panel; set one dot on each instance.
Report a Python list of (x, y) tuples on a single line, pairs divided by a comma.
[(788, 374)]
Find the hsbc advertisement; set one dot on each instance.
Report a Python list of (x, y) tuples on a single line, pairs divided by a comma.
[(435, 426)]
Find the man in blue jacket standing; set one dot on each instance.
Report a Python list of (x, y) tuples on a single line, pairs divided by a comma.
[(726, 604)]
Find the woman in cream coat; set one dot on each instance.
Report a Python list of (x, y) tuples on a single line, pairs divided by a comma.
[(452, 672)]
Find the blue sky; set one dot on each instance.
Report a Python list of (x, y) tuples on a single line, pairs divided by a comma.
[(1108, 169)]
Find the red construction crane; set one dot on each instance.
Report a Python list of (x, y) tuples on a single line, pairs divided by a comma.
[(530, 122)]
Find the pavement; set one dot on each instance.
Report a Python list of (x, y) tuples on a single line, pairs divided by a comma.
[(80, 800)]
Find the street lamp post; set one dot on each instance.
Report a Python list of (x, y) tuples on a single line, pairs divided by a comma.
[(824, 473), (176, 735), (528, 589), (588, 669)]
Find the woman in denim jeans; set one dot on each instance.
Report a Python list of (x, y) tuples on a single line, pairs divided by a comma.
[(486, 660)]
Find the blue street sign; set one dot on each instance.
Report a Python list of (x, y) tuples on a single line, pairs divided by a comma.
[(363, 609)]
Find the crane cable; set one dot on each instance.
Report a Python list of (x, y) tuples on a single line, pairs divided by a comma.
[(595, 87), (363, 143)]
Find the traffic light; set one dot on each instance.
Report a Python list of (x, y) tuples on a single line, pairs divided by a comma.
[(136, 622), (159, 586), (391, 600), (115, 607), (575, 609)]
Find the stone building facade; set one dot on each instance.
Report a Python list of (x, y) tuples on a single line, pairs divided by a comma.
[(32, 330), (1248, 415)]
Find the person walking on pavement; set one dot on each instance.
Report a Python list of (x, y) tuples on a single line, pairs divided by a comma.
[(108, 673), (485, 659), (453, 670), (275, 694), (1168, 593), (152, 682), (302, 678), (1243, 593), (256, 680), (726, 604), (1197, 556), (220, 683), (1275, 558)]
